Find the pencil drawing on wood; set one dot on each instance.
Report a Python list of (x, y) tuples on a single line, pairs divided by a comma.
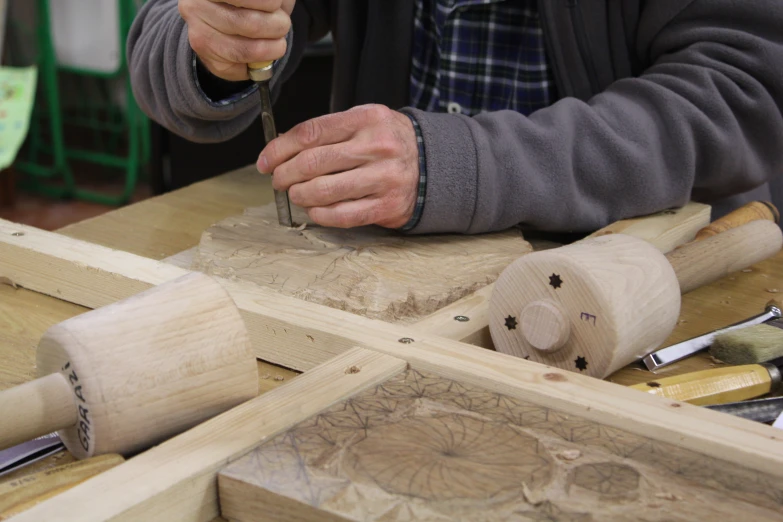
[(369, 271), (422, 447)]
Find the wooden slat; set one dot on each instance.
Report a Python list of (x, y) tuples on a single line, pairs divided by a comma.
[(666, 230), (289, 331), (177, 479)]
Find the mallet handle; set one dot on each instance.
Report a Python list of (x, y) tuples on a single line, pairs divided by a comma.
[(701, 262), (35, 409), (745, 214)]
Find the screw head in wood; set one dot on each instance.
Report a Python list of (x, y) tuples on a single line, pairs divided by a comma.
[(405, 340), (462, 319)]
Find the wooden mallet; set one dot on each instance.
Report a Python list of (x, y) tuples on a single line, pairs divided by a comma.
[(602, 303), (127, 376)]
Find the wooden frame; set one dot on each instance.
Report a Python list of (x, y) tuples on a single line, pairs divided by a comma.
[(343, 354)]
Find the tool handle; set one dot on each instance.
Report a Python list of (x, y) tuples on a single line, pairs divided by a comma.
[(259, 65), (24, 492), (716, 386), (701, 262), (745, 214), (35, 409)]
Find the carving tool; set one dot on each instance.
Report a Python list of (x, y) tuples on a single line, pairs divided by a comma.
[(718, 385), (261, 73), (758, 410), (749, 212), (676, 352), (20, 494), (598, 304), (752, 345), (124, 377), (21, 455)]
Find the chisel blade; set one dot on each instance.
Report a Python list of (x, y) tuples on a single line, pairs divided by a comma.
[(268, 122), (261, 73)]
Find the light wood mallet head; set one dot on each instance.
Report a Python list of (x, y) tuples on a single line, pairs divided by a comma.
[(602, 303), (127, 376)]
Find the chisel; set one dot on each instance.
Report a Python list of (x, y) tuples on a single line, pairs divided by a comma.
[(261, 73), (759, 410), (719, 385)]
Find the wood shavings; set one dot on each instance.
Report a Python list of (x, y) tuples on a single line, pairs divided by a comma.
[(266, 376), (532, 497), (668, 496), (7, 281), (279, 378), (747, 270), (301, 227), (771, 290), (571, 454), (716, 361)]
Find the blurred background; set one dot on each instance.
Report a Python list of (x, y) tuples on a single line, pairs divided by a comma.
[(73, 142)]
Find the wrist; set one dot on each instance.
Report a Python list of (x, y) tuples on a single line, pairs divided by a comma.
[(217, 90), (422, 184)]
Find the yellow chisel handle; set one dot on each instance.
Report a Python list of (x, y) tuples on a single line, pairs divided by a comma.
[(717, 386), (259, 65), (260, 71)]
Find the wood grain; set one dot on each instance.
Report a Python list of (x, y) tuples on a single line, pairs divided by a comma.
[(667, 229), (289, 329), (369, 271), (423, 447), (166, 225), (177, 479)]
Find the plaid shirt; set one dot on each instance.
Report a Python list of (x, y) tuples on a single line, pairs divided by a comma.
[(473, 56)]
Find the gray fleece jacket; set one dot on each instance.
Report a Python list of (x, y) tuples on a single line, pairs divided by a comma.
[(660, 102)]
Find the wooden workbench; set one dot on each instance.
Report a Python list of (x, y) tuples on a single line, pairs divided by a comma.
[(166, 225)]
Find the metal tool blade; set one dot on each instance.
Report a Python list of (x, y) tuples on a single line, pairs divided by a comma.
[(759, 410), (28, 452), (270, 132), (681, 350)]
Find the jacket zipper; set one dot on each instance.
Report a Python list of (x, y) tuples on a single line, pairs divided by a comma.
[(578, 23)]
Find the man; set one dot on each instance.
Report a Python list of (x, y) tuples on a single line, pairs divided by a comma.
[(468, 116)]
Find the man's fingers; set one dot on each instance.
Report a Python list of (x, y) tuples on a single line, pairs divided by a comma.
[(230, 20), (319, 161), (324, 130), (328, 190), (347, 214), (257, 5)]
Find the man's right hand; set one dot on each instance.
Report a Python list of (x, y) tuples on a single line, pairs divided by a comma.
[(227, 35)]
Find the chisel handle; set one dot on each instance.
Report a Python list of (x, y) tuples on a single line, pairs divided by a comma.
[(716, 386), (699, 263), (36, 408), (260, 71), (745, 214)]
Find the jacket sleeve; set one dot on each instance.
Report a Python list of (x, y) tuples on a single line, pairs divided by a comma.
[(169, 84), (704, 121)]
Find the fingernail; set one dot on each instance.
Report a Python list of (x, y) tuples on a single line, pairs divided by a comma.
[(263, 164)]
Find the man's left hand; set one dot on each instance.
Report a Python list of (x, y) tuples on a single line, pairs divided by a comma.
[(354, 168)]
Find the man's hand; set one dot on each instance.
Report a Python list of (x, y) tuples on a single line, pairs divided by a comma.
[(227, 35), (354, 168)]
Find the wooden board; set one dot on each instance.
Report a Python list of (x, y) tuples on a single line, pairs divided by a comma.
[(177, 479), (423, 447), (369, 271), (665, 230)]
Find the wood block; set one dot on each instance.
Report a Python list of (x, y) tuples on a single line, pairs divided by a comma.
[(369, 271), (421, 446)]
